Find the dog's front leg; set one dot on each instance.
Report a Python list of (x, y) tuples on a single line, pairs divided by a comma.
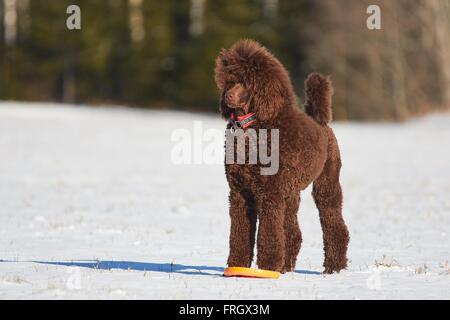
[(243, 229), (271, 238)]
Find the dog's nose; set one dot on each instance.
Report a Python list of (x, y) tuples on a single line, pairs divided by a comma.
[(229, 96)]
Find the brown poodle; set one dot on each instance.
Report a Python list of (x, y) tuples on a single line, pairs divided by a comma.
[(256, 88)]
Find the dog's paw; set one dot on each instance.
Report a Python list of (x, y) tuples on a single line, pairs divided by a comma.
[(286, 270), (331, 270)]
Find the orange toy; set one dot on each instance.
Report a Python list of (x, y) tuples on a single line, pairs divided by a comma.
[(250, 273)]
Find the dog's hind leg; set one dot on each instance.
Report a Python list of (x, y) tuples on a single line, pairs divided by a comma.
[(327, 195), (243, 229), (292, 232)]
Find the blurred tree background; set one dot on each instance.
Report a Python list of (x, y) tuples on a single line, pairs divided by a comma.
[(160, 54)]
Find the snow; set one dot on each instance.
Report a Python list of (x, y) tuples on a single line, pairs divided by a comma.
[(92, 207)]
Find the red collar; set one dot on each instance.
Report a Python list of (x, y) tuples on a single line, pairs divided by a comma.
[(242, 122)]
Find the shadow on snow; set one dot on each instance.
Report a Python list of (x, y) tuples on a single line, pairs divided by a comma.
[(149, 266)]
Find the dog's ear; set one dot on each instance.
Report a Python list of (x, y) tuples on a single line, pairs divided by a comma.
[(268, 99), (225, 111), (219, 70), (220, 75)]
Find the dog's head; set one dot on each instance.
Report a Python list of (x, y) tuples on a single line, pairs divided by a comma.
[(251, 79)]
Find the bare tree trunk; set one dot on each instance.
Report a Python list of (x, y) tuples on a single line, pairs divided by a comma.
[(196, 16), (2, 23), (270, 8), (441, 13), (10, 21), (69, 85), (398, 72), (23, 9), (136, 21)]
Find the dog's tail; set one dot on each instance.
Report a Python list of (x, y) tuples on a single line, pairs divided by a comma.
[(318, 92)]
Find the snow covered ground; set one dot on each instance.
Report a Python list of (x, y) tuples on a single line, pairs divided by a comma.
[(92, 207)]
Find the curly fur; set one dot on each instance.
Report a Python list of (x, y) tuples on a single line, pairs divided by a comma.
[(308, 152), (249, 63), (318, 92)]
